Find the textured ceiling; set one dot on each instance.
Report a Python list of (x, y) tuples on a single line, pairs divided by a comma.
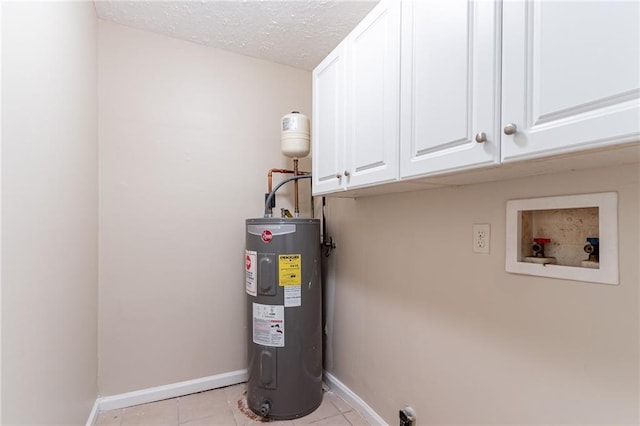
[(299, 33)]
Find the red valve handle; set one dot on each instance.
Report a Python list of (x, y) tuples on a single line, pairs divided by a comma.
[(542, 240)]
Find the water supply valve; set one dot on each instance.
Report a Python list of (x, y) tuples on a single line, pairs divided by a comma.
[(538, 246), (593, 248), (539, 256)]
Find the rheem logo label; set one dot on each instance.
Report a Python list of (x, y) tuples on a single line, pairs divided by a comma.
[(266, 236)]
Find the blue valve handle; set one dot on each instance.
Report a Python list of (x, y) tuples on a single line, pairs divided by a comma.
[(594, 241)]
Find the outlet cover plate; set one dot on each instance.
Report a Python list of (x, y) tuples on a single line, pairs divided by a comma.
[(481, 238)]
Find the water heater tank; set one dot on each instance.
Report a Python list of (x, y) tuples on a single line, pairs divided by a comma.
[(284, 313), (294, 135)]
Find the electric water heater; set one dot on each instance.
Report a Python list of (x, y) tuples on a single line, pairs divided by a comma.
[(284, 301)]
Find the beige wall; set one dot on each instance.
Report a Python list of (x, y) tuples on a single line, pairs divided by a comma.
[(49, 212), (187, 134), (418, 319)]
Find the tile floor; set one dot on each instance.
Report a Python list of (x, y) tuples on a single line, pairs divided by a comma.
[(222, 407)]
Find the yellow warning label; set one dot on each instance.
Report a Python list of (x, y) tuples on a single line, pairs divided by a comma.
[(290, 269)]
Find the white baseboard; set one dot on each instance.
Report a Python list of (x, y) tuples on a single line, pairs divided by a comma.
[(159, 393), (93, 416), (340, 389)]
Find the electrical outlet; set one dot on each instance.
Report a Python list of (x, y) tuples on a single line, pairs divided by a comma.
[(481, 238), (407, 416)]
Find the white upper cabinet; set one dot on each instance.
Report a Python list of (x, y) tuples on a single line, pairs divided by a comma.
[(328, 123), (372, 103), (356, 103), (450, 85), (422, 88), (570, 76)]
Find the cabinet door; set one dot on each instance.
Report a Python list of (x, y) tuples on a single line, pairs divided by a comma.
[(373, 85), (571, 76), (328, 123), (450, 85)]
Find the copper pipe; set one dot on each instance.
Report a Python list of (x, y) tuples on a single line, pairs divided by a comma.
[(270, 177), (286, 171)]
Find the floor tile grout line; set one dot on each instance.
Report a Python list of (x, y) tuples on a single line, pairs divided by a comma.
[(330, 417), (338, 408), (347, 419)]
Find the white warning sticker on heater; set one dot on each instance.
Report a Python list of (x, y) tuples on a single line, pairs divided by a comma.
[(268, 325), (251, 267), (292, 296)]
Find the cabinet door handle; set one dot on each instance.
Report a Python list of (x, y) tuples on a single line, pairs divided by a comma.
[(481, 137), (510, 129), (346, 173), (338, 176)]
